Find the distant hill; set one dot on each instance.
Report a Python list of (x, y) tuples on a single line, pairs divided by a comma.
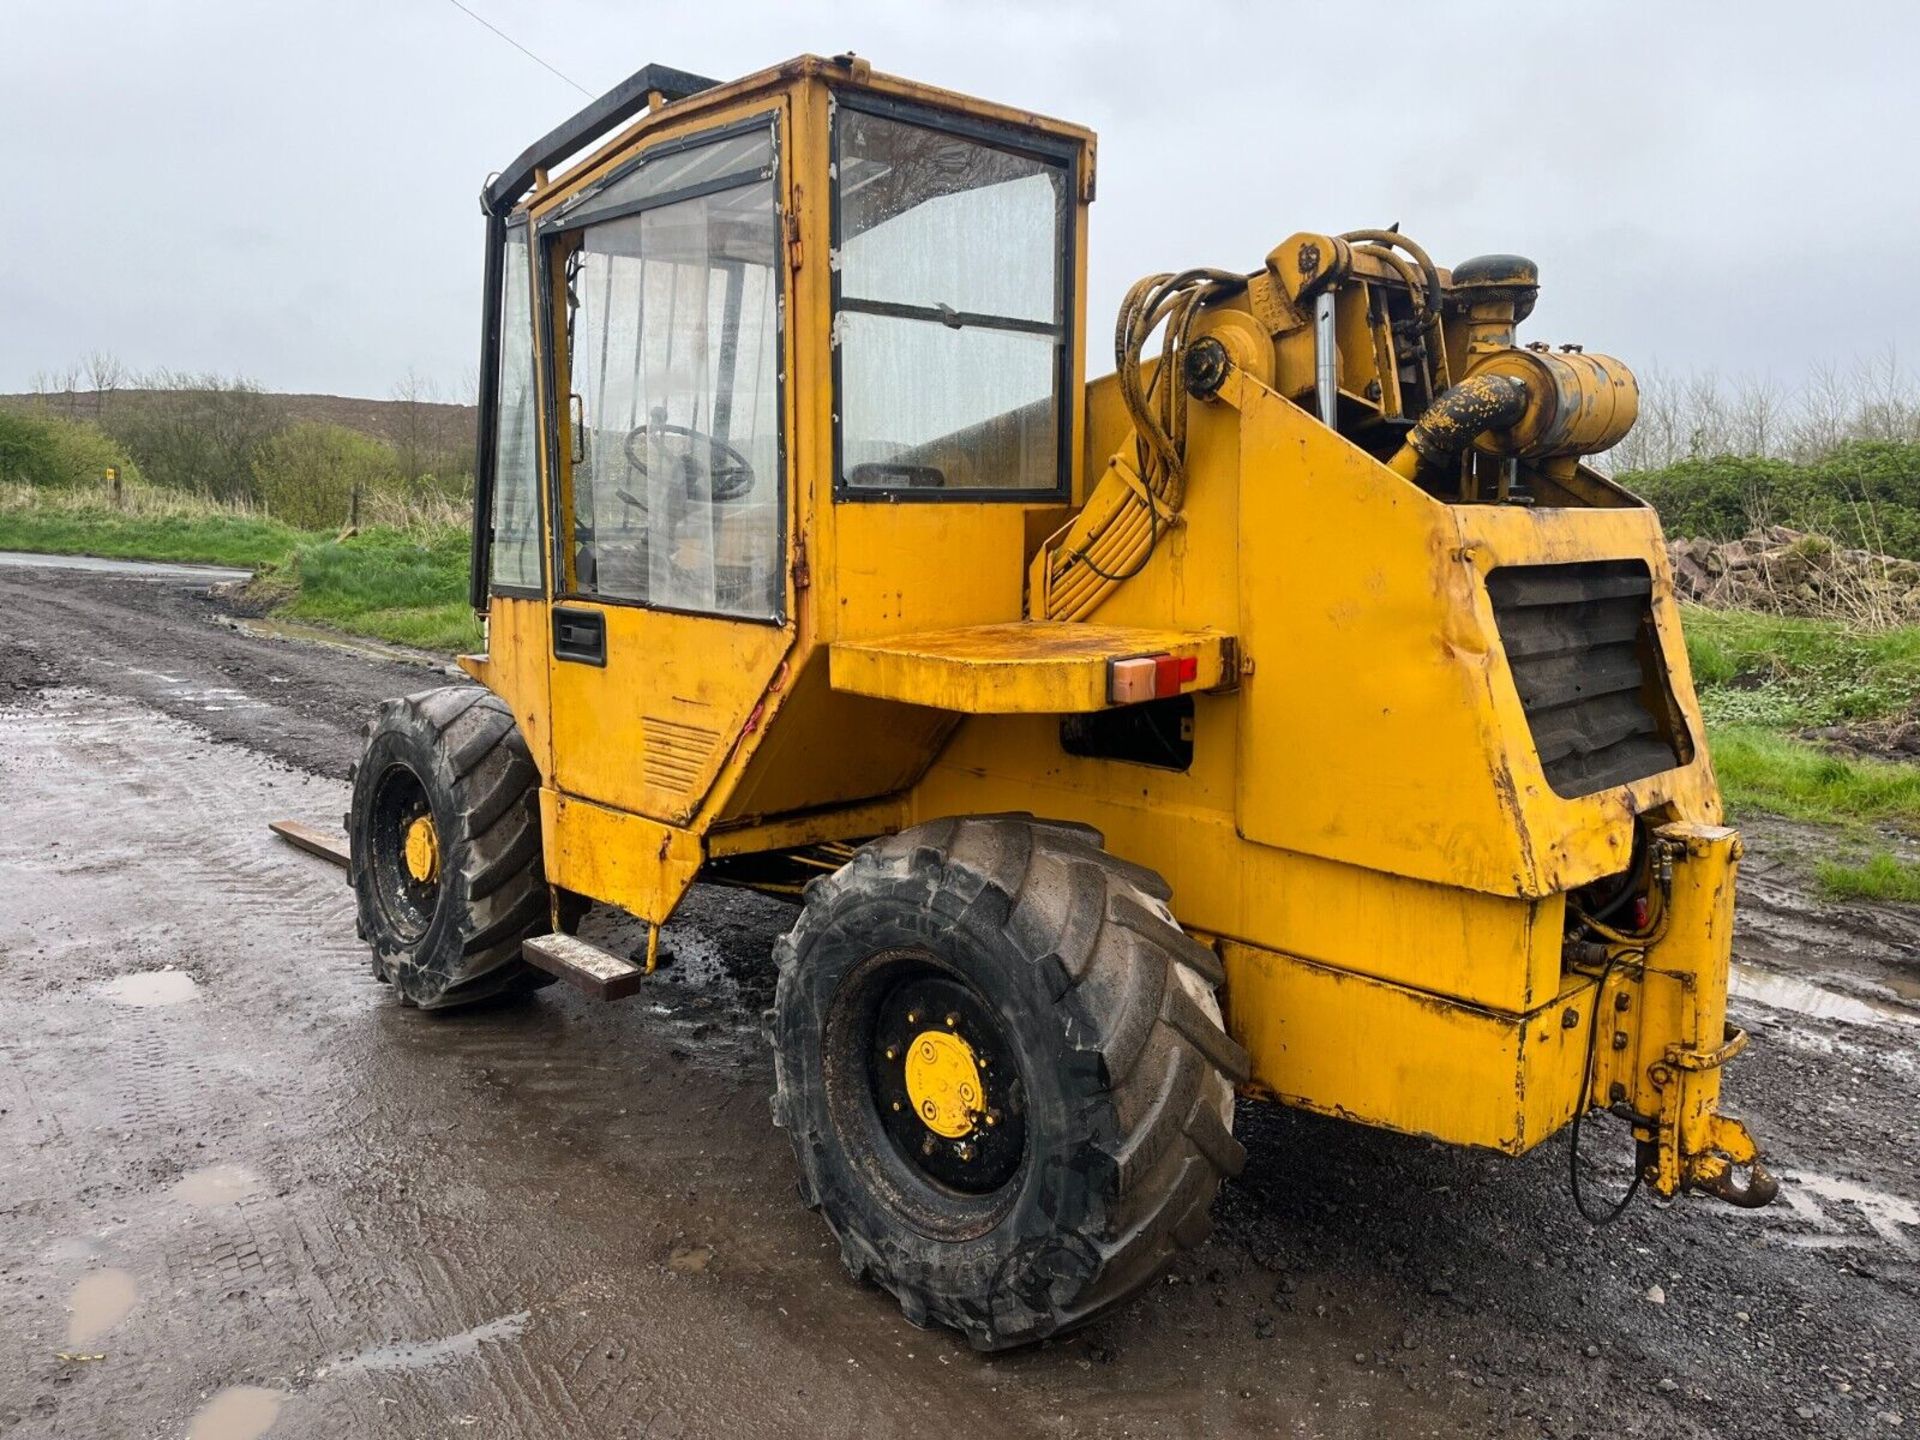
[(391, 420)]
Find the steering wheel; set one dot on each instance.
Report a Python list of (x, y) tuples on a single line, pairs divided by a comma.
[(729, 473)]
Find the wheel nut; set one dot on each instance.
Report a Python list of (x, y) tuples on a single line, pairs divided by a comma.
[(896, 1104), (893, 1052), (953, 1022), (912, 1018)]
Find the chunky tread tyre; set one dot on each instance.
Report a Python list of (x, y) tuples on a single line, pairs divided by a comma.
[(461, 744), (1129, 1074)]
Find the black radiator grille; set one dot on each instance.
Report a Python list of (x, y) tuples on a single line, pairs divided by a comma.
[(1579, 640)]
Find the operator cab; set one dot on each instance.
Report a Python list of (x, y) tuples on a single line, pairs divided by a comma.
[(676, 313)]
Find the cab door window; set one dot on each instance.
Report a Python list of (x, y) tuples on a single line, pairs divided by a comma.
[(672, 347)]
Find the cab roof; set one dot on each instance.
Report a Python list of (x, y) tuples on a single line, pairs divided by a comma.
[(658, 95)]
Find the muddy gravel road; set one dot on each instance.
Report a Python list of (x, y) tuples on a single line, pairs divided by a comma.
[(241, 1188)]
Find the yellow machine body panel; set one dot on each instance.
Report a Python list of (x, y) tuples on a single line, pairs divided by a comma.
[(650, 735), (1347, 570), (1358, 813), (1028, 667)]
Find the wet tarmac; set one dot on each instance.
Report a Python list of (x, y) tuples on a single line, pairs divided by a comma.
[(244, 1193), (130, 569)]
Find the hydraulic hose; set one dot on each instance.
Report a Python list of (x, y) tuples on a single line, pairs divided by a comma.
[(1114, 535)]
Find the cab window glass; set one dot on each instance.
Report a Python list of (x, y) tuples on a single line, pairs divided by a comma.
[(950, 309), (673, 349), (515, 553)]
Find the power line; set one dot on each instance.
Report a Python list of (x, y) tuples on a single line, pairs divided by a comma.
[(521, 48)]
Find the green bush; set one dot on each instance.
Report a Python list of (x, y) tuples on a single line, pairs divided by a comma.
[(1865, 493), (197, 434), (47, 451), (307, 474)]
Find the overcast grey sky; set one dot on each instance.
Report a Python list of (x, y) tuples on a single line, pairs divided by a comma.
[(287, 190)]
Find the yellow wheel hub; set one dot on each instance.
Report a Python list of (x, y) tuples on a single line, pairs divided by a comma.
[(943, 1083), (423, 850)]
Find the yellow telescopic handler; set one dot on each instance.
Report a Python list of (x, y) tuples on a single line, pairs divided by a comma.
[(1290, 714)]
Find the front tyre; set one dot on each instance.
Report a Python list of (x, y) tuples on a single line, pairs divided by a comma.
[(444, 835), (1002, 1067)]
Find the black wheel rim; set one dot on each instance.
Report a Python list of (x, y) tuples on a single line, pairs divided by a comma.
[(407, 902), (956, 1173), (945, 1083)]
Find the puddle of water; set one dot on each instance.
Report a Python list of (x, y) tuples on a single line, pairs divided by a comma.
[(419, 1354), (151, 987), (99, 1302), (240, 1412), (1803, 997), (217, 1185), (1828, 1212), (690, 1259)]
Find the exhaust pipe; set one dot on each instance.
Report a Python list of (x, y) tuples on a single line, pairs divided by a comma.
[(1462, 415)]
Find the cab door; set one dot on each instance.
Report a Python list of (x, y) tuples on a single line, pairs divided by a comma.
[(672, 610)]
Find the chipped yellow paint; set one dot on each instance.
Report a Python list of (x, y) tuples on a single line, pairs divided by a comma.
[(616, 856), (1390, 1055), (1665, 1033)]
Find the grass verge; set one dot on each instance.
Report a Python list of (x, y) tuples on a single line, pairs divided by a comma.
[(1763, 770), (406, 588), (245, 541), (1787, 673), (1881, 877), (1763, 677)]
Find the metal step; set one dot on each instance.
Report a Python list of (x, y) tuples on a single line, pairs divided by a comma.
[(327, 844), (600, 973)]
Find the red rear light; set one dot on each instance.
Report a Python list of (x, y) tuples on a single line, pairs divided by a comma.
[(1166, 676), (1149, 677)]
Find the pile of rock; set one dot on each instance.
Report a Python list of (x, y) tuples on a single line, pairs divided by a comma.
[(1790, 572)]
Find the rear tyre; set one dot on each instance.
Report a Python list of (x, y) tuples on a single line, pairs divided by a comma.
[(445, 841), (1003, 1070)]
